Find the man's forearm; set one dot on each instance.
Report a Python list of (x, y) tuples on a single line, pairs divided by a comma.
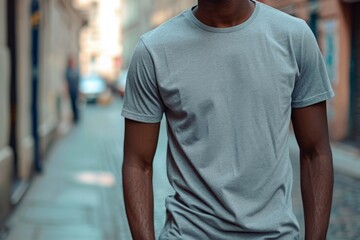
[(317, 180), (138, 195)]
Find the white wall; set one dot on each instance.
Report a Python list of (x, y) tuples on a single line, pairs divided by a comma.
[(51, 63), (59, 39)]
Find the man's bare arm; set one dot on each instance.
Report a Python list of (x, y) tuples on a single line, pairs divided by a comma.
[(139, 148), (311, 131)]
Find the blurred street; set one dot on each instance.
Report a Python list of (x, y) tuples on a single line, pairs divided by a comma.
[(79, 195)]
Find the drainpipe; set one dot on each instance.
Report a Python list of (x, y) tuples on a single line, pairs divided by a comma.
[(35, 23)]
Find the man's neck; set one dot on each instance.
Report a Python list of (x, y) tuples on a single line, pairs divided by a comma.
[(224, 13)]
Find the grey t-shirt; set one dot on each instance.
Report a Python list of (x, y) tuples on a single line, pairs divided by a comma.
[(227, 94)]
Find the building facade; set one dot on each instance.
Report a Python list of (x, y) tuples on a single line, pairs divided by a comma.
[(36, 38), (101, 38)]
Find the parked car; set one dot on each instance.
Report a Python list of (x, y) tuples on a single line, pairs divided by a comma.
[(92, 87), (121, 83)]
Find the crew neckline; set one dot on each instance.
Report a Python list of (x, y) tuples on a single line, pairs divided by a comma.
[(194, 19)]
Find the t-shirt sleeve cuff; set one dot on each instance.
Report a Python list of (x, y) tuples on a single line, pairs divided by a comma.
[(312, 100), (140, 117)]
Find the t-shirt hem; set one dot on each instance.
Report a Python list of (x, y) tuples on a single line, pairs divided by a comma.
[(140, 117), (312, 100)]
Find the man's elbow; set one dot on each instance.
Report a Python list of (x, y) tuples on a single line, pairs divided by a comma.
[(316, 153), (136, 164)]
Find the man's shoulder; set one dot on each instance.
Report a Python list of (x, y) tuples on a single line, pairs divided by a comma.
[(167, 31), (278, 16), (281, 21)]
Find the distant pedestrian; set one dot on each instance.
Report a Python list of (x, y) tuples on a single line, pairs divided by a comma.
[(229, 75), (73, 79)]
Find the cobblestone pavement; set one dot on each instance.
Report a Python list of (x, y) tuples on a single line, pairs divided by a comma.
[(80, 194)]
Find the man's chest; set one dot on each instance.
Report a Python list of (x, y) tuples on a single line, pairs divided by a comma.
[(208, 76)]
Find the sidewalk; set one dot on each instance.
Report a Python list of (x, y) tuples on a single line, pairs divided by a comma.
[(79, 196), (79, 193)]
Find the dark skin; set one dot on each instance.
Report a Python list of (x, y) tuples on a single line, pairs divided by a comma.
[(310, 128), (139, 150), (223, 13), (317, 177)]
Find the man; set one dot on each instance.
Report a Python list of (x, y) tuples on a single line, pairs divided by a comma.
[(72, 80), (229, 76)]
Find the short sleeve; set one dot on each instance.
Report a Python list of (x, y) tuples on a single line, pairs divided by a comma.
[(142, 101), (313, 84)]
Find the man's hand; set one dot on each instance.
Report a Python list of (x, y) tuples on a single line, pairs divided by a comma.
[(311, 131), (139, 148)]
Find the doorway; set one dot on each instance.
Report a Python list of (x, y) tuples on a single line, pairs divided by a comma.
[(11, 43)]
